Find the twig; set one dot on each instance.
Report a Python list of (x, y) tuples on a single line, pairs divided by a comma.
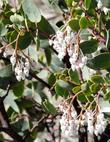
[(41, 120), (8, 89), (80, 75), (39, 79)]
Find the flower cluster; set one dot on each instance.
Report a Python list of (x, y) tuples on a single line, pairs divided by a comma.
[(101, 7), (65, 42), (70, 122), (96, 122), (76, 61), (20, 66)]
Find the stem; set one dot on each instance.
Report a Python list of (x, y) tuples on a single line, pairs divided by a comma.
[(80, 75), (16, 46)]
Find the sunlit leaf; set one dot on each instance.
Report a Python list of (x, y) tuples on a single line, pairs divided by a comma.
[(31, 10)]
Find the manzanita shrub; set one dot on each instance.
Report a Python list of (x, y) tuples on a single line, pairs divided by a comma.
[(55, 77)]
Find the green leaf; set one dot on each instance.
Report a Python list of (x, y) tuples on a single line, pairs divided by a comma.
[(107, 95), (101, 61), (16, 19), (31, 10), (48, 55), (60, 91), (6, 76), (83, 22), (52, 79), (86, 89), (49, 107), (63, 84), (62, 88), (74, 76), (107, 78), (84, 34), (18, 89), (97, 79), (11, 36), (26, 104), (10, 102), (87, 4), (95, 88), (89, 47), (33, 53), (81, 97), (45, 28), (6, 71), (21, 125), (76, 89), (44, 43), (69, 2), (25, 125), (106, 3), (24, 41), (3, 29), (74, 24), (43, 74)]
